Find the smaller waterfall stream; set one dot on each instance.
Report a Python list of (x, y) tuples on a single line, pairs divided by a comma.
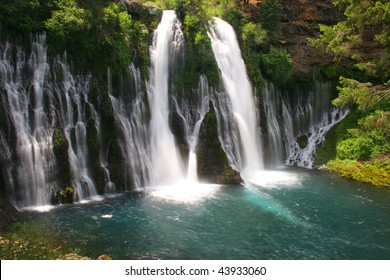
[(203, 108), (291, 120), (35, 164), (274, 126), (192, 116), (305, 156), (73, 95), (310, 119), (134, 142)]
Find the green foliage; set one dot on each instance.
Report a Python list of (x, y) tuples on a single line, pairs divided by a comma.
[(25, 15), (69, 20), (104, 30), (253, 66), (59, 142), (376, 171), (363, 38), (328, 151), (253, 36), (276, 65), (365, 95), (234, 17), (334, 71), (359, 148), (62, 196), (366, 28), (69, 191), (168, 4), (195, 30), (270, 15), (199, 58)]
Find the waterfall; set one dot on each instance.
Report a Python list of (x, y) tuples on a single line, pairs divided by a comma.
[(103, 153), (72, 96), (240, 139), (192, 116), (275, 149), (149, 150), (305, 156), (166, 162), (291, 120), (103, 160), (50, 113), (24, 101), (309, 121), (203, 108), (134, 141)]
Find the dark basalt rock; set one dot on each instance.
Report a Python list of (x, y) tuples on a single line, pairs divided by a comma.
[(213, 164), (8, 214)]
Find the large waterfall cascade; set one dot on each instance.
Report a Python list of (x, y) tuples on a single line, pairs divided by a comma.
[(149, 146), (42, 98), (245, 139), (166, 162)]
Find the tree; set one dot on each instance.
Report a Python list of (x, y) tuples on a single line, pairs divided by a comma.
[(270, 15), (363, 38)]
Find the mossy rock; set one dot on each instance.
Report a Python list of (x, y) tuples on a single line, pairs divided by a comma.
[(62, 196), (303, 140), (213, 164)]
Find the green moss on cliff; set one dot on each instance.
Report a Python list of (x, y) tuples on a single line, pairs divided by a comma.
[(96, 34), (213, 165), (338, 133)]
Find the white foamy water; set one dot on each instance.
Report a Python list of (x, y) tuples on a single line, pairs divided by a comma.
[(245, 135), (274, 178), (185, 191)]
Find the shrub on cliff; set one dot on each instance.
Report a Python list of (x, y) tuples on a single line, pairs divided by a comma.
[(276, 65), (105, 36)]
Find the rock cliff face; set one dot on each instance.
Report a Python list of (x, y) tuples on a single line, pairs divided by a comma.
[(300, 20), (213, 164)]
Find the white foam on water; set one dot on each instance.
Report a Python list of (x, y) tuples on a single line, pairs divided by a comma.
[(274, 178), (185, 192), (107, 216), (40, 208), (95, 198)]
